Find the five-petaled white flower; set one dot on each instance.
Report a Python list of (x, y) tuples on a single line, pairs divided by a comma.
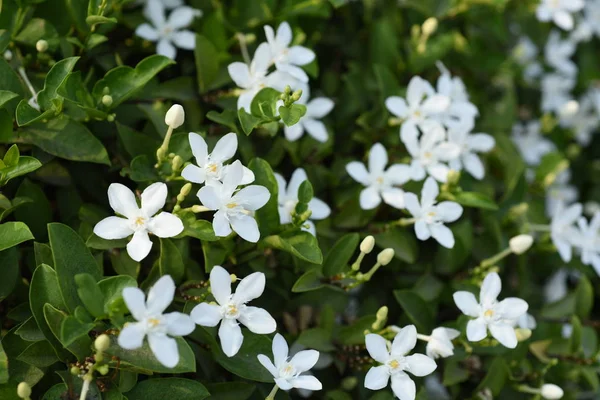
[(421, 104), (439, 343), (251, 78), (460, 111), (558, 54), (470, 144), (168, 32), (286, 58), (560, 192), (396, 363), (380, 183), (234, 208), (556, 91), (152, 322), (563, 232), (491, 314), (287, 199), (559, 11), (589, 241), (430, 216), (530, 142), (316, 109), (287, 373), (210, 167), (138, 221), (232, 308)]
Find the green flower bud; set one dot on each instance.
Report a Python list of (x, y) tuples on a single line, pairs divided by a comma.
[(177, 163), (24, 390), (102, 343), (107, 100), (366, 246), (41, 45), (385, 256)]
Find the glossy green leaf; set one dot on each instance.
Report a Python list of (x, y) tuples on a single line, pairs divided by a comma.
[(338, 258), (54, 79), (13, 233), (9, 270), (300, 244), (112, 292), (41, 354), (170, 261), (207, 62), (291, 115), (179, 388), (90, 294), (80, 346), (416, 309)]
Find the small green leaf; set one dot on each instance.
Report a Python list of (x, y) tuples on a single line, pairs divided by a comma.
[(207, 63), (264, 104), (100, 19), (338, 257), (54, 79), (13, 233), (90, 294), (41, 354), (474, 199), (72, 329), (24, 166), (584, 298), (226, 118), (178, 388), (170, 261), (291, 115), (301, 244), (305, 192), (249, 121), (416, 309), (310, 280)]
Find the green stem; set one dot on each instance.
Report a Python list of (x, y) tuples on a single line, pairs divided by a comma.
[(540, 228), (494, 259), (271, 395)]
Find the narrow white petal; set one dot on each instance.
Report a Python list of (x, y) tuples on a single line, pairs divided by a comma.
[(358, 172), (240, 74), (184, 39), (476, 330), (253, 197), (139, 246), (283, 384), (422, 230), (505, 334), (221, 224), (490, 288), (258, 320), (377, 378), (225, 148), (132, 336), (179, 324), (443, 235), (250, 288), (147, 31), (304, 360), (420, 365), (122, 200), (193, 173), (320, 209), (220, 284), (319, 107), (512, 308), (307, 382), (181, 17), (111, 228), (206, 314), (166, 48), (404, 341), (280, 350), (430, 192), (403, 387), (394, 197), (160, 295), (266, 362), (165, 349), (294, 132), (299, 55), (378, 159), (165, 225), (154, 198), (246, 227), (397, 106), (209, 197), (316, 129), (467, 303), (369, 198), (449, 211), (135, 300), (231, 337), (377, 347)]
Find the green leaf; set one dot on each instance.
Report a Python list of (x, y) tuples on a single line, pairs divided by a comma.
[(24, 166), (26, 114), (207, 63), (54, 317), (90, 294), (137, 143), (474, 199), (178, 388), (112, 292), (301, 244), (6, 96), (316, 338), (36, 213), (142, 169), (11, 158), (310, 280), (9, 79), (100, 19), (227, 118), (65, 138), (550, 167), (41, 354), (402, 240), (416, 309), (170, 261), (584, 298), (249, 121), (9, 271), (230, 390), (13, 233), (497, 376), (71, 257), (305, 192), (123, 81), (3, 366), (264, 104), (291, 115), (72, 329), (267, 216), (338, 257), (54, 79)]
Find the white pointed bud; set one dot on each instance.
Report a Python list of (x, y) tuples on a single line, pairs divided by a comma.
[(102, 343), (551, 392), (382, 313), (520, 244), (41, 45), (107, 100), (569, 109), (385, 256), (24, 390), (429, 26), (175, 116), (8, 55), (366, 246)]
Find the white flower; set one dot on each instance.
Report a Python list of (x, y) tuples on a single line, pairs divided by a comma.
[(316, 109), (168, 4), (461, 111), (152, 322), (286, 58), (491, 314), (430, 152), (559, 11), (531, 143), (380, 183), (234, 208), (558, 54), (585, 121), (287, 373), (550, 391), (430, 217), (561, 191), (168, 32), (562, 229), (525, 52), (469, 144), (210, 167), (232, 308), (396, 363), (591, 14), (421, 104), (251, 78), (588, 241), (138, 221), (288, 198), (439, 343), (556, 91), (556, 287)]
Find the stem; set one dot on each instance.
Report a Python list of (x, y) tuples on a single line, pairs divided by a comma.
[(369, 274), (406, 221), (271, 395), (242, 39), (527, 389), (167, 139), (27, 81), (494, 259), (540, 228), (424, 338), (356, 265), (85, 388)]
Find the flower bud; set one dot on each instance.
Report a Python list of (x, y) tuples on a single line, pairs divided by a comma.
[(296, 95), (75, 371), (198, 209), (24, 390), (102, 343), (429, 26), (551, 392), (522, 334), (175, 116), (185, 190), (349, 383), (233, 278), (41, 45), (366, 246), (110, 118), (520, 244), (382, 313), (107, 100), (177, 163), (385, 256), (287, 89), (453, 177), (160, 153), (8, 55)]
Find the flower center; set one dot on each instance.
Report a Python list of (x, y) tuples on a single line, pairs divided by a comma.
[(379, 180), (231, 311), (397, 365), (153, 322), (488, 313), (287, 371), (232, 205), (140, 221)]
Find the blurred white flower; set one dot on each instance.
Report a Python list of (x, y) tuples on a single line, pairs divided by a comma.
[(556, 91), (210, 167), (585, 121), (530, 142), (525, 51), (559, 11), (558, 54), (251, 78), (380, 183), (288, 373), (286, 58), (396, 363), (550, 391), (588, 242), (435, 388), (422, 104), (469, 144), (152, 322), (561, 191), (168, 4), (234, 207), (316, 109), (138, 221), (556, 287), (460, 111), (563, 232), (591, 16), (526, 321), (288, 198), (232, 308), (169, 33), (430, 216), (489, 313), (439, 343)]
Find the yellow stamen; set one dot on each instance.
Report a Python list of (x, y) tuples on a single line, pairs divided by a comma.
[(380, 180), (232, 205), (139, 221), (153, 321), (489, 313), (394, 364), (212, 168)]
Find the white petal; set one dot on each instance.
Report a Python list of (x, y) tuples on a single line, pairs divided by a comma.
[(320, 209), (234, 176), (209, 197), (193, 174), (165, 225), (258, 320), (253, 197), (296, 72), (476, 330), (404, 341), (155, 12), (422, 230), (165, 48), (132, 336), (512, 308), (246, 227), (199, 147), (122, 200), (377, 347), (225, 148), (449, 211), (443, 235), (410, 137), (316, 129), (231, 337), (250, 288), (280, 350), (564, 20), (417, 88), (261, 60), (377, 378), (307, 382), (369, 198), (240, 74), (490, 288), (398, 174), (284, 34), (505, 334), (184, 39), (467, 303), (181, 17), (147, 31), (358, 172), (283, 384), (165, 349), (438, 171), (294, 132), (403, 387), (266, 362), (111, 228), (206, 314), (429, 193), (179, 324), (305, 360), (221, 224), (481, 142), (435, 104), (394, 197), (160, 295), (411, 202), (139, 246), (397, 106), (420, 365), (473, 165), (220, 284), (299, 55), (417, 172), (247, 177), (378, 159), (319, 107), (135, 300)]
